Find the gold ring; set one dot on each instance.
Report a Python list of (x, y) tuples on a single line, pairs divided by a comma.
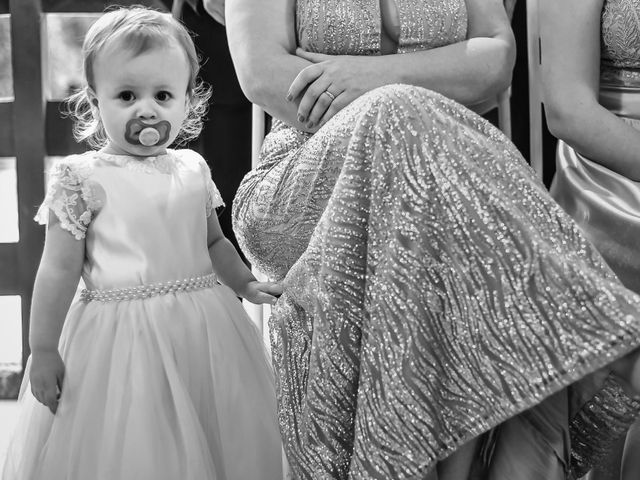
[(330, 95)]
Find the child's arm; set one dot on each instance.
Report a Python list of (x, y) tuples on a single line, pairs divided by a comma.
[(55, 285), (232, 271)]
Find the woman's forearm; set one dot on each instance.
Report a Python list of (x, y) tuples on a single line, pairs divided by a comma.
[(263, 44), (467, 72), (571, 29), (267, 84), (599, 135)]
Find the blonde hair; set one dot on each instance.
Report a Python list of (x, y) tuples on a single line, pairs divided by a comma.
[(140, 29)]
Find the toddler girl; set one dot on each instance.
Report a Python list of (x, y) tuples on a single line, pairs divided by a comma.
[(156, 372)]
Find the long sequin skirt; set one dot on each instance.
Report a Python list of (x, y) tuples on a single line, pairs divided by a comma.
[(432, 287)]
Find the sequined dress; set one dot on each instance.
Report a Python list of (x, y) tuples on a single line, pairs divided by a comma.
[(165, 375), (432, 287)]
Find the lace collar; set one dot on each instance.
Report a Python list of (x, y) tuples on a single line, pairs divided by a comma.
[(165, 163)]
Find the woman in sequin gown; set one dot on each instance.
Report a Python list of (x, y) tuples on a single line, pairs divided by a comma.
[(593, 107), (433, 290)]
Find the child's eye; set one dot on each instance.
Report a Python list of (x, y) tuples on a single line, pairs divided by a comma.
[(163, 96), (126, 96)]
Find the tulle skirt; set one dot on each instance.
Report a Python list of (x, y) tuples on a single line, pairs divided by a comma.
[(177, 386)]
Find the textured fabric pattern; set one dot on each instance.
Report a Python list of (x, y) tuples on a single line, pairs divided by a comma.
[(621, 33), (71, 196), (602, 421), (434, 291), (620, 49), (353, 26)]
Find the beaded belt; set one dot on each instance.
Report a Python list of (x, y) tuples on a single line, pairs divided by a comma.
[(150, 290)]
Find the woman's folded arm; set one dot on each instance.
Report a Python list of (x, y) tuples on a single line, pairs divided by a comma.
[(263, 46)]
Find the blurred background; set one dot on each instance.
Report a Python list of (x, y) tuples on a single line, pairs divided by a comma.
[(65, 33), (63, 74)]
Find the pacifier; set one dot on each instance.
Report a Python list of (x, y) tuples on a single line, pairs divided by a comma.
[(149, 136), (138, 132)]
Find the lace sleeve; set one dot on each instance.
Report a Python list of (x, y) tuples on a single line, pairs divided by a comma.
[(70, 197), (214, 199)]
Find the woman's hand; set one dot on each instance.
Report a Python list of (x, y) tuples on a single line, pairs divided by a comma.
[(331, 83), (261, 292), (47, 376)]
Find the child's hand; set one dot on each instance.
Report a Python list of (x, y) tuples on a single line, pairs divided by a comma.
[(262, 292), (47, 375)]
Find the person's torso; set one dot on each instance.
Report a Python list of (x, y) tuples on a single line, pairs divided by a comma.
[(374, 27), (152, 224)]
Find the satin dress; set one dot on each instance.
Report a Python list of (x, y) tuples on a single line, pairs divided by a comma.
[(606, 205), (165, 375), (433, 289)]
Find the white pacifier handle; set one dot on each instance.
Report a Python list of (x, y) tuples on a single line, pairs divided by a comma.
[(149, 136)]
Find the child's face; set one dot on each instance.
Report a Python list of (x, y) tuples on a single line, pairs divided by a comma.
[(134, 92)]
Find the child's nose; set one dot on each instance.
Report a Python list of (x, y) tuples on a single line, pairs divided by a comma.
[(146, 110)]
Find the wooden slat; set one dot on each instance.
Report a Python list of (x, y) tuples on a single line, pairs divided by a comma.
[(59, 136), (535, 90), (9, 278), (29, 143), (6, 130)]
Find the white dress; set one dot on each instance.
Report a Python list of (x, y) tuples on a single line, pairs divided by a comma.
[(166, 376)]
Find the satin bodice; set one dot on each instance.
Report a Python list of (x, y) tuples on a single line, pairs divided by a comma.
[(354, 27), (165, 244), (143, 221)]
